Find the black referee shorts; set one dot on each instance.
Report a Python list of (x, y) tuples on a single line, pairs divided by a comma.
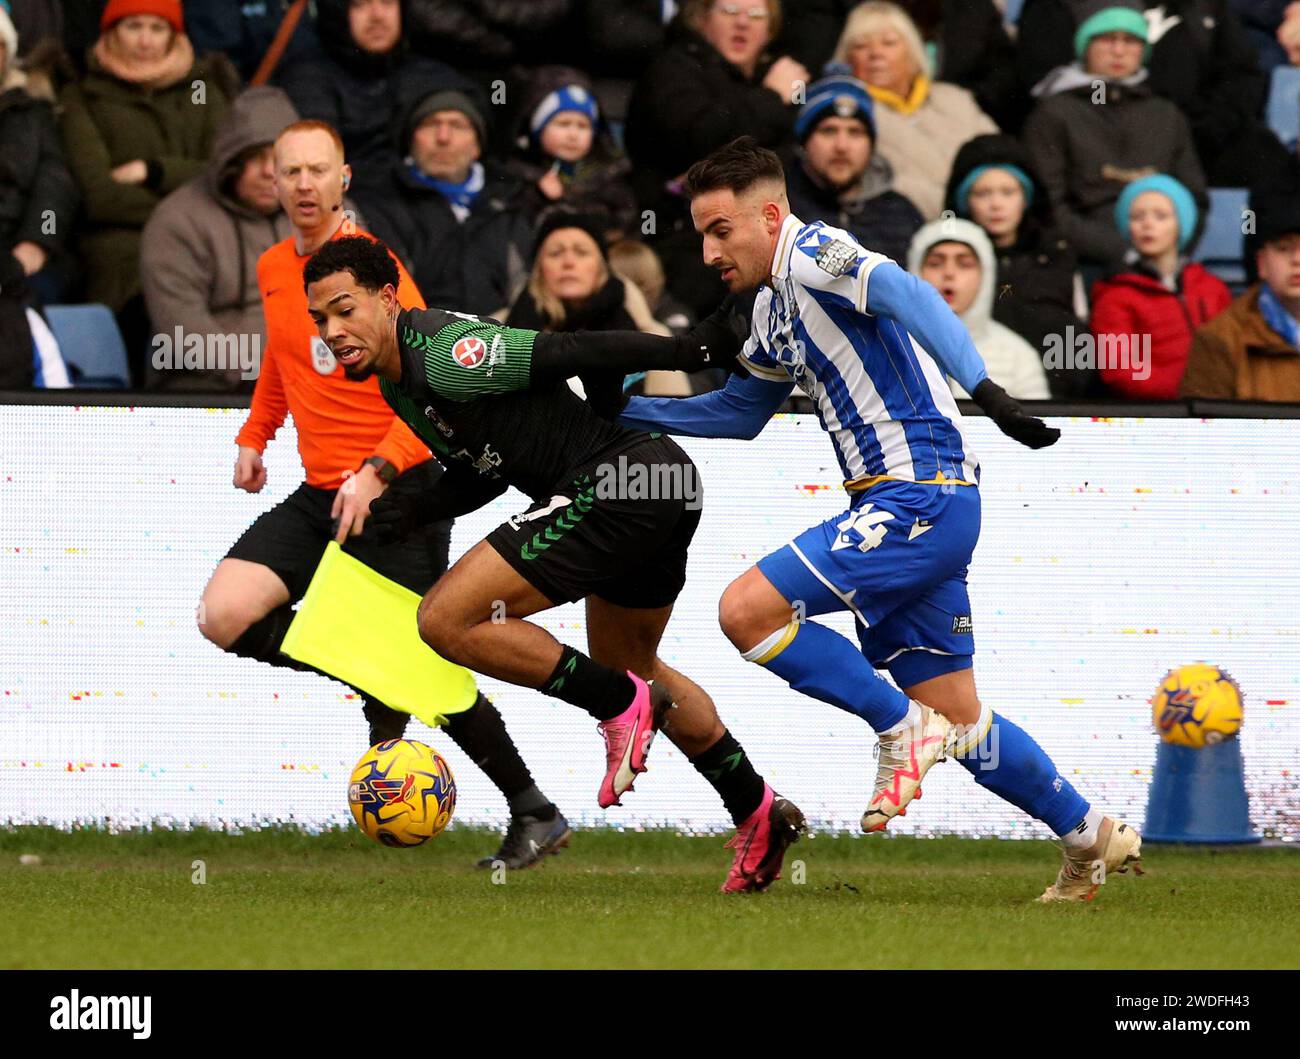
[(291, 537), (620, 531)]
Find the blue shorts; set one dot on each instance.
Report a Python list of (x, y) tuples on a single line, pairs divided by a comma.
[(897, 559)]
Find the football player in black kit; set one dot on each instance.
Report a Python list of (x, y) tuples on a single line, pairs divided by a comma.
[(493, 405)]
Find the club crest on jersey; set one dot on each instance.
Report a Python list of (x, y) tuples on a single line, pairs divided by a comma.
[(836, 257), (469, 352), (322, 357)]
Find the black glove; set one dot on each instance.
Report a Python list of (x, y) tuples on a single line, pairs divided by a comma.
[(1003, 409), (394, 516), (717, 340)]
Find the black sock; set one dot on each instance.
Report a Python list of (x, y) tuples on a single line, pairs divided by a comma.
[(481, 732), (385, 722), (726, 765), (262, 639), (602, 692)]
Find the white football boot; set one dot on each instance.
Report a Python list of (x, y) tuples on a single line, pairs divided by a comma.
[(1118, 848), (905, 758)]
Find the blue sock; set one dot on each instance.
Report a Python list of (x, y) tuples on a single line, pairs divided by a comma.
[(1009, 763), (820, 662)]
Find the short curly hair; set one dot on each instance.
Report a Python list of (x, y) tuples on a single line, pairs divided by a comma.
[(370, 262)]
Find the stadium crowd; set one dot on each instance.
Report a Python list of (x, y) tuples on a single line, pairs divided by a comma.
[(1048, 167)]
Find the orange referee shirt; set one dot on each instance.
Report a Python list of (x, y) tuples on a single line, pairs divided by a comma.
[(340, 423)]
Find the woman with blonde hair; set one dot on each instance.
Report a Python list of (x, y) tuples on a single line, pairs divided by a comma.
[(922, 123), (573, 288)]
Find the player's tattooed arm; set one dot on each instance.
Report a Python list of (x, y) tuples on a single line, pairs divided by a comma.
[(458, 491)]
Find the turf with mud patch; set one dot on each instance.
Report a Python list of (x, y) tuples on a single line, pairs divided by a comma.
[(283, 898)]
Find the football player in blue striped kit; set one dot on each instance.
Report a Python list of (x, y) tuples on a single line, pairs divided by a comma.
[(871, 346)]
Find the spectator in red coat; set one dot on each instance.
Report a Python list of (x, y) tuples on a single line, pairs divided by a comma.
[(1152, 305)]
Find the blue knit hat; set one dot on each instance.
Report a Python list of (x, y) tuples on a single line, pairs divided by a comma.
[(565, 98), (839, 96), (1183, 203), (962, 195), (1119, 18)]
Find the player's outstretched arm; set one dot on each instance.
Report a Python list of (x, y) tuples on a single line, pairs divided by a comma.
[(560, 355), (457, 492), (740, 410), (923, 313)]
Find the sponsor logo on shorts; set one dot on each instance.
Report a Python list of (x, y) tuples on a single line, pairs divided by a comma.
[(961, 623)]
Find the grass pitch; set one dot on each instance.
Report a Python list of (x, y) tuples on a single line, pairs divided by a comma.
[(284, 899)]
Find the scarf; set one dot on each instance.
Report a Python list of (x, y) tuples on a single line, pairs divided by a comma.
[(1281, 322), (460, 195), (152, 76), (915, 98)]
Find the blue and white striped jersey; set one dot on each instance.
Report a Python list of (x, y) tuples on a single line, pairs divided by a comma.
[(882, 398)]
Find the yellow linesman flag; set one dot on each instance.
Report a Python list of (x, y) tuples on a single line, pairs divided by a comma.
[(360, 627)]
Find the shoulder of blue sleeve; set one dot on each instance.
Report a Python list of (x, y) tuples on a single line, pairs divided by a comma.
[(831, 260)]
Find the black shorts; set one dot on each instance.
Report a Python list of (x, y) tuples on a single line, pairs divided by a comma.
[(619, 531), (291, 537)]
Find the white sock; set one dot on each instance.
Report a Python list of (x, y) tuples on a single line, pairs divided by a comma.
[(911, 719), (1085, 834)]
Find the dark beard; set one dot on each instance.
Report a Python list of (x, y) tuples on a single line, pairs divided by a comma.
[(358, 374)]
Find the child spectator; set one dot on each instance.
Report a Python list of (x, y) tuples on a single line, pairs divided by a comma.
[(956, 258), (838, 175), (1039, 294), (1098, 126), (567, 155), (1157, 296), (137, 126)]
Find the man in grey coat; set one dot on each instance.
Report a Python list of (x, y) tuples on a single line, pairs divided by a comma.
[(199, 251)]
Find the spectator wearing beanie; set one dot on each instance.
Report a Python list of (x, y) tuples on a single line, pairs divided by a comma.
[(199, 252), (840, 178), (1200, 60), (714, 81), (572, 288), (459, 223), (365, 80), (956, 258), (566, 154), (1157, 296), (1097, 127), (35, 184), (1040, 295), (135, 128), (1251, 351), (922, 123)]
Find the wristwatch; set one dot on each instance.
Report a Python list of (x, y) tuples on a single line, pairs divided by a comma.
[(386, 471)]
